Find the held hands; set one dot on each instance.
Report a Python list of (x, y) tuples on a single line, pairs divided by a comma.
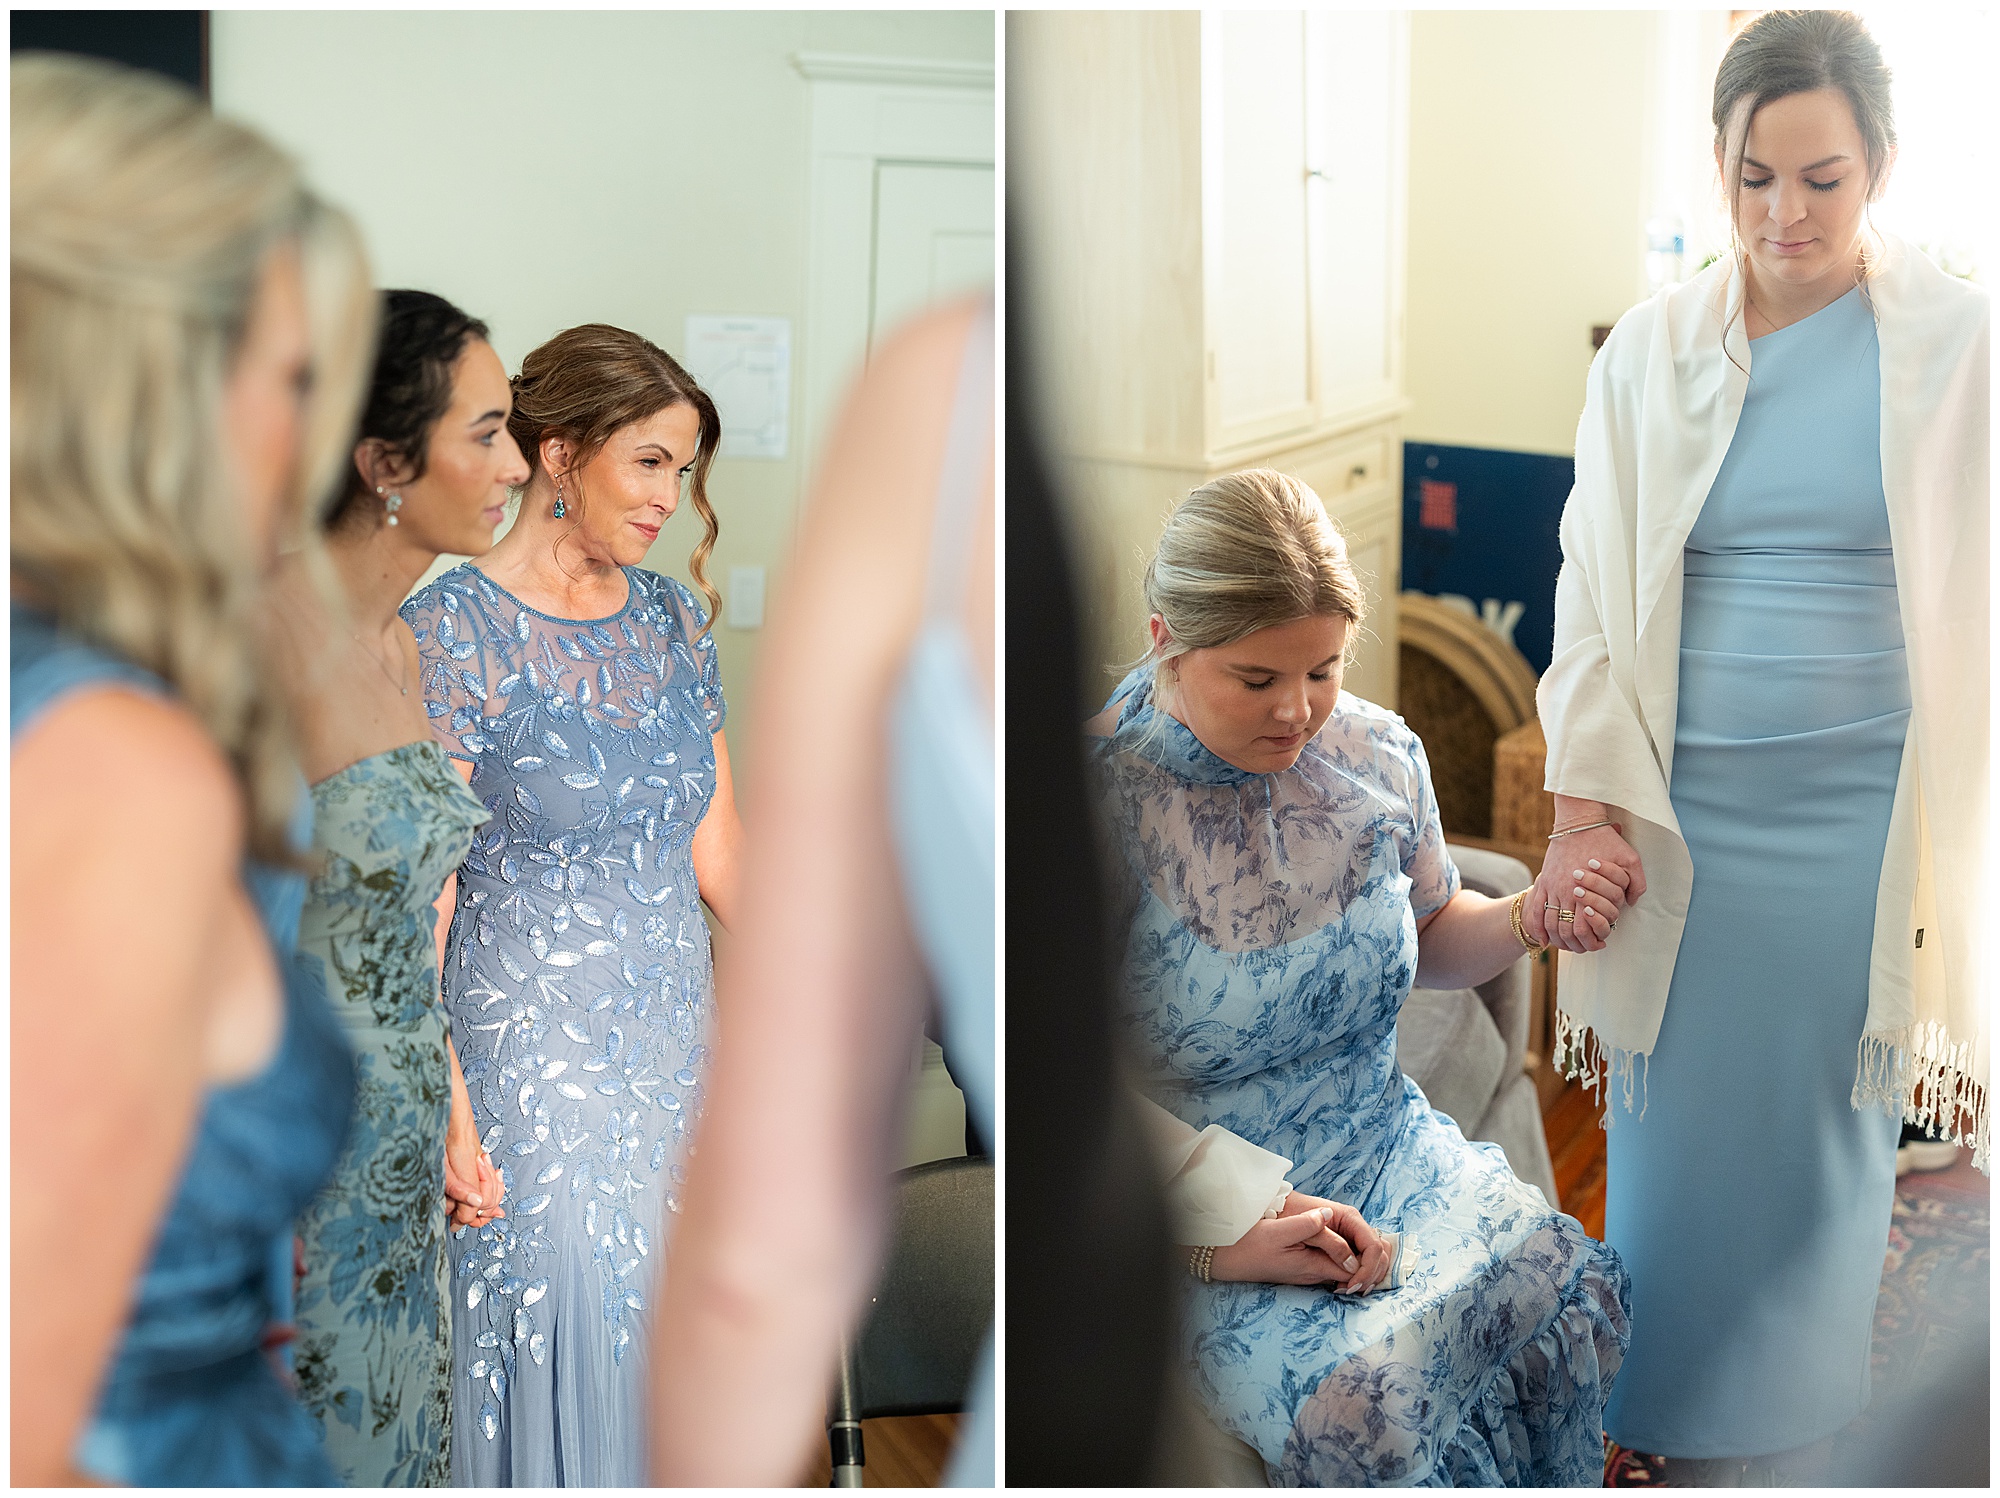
[(1594, 874), (472, 1186)]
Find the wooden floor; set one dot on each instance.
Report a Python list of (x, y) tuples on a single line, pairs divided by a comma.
[(1576, 1145), (907, 1451)]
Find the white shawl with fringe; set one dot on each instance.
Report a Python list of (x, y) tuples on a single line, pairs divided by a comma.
[(1663, 400)]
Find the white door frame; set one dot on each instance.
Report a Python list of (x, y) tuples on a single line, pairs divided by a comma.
[(865, 111)]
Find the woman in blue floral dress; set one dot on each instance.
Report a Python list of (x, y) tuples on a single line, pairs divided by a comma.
[(580, 694), (1286, 881), (429, 474)]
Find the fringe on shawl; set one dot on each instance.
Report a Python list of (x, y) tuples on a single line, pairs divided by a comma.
[(1582, 1056), (1922, 1074), (1917, 1072)]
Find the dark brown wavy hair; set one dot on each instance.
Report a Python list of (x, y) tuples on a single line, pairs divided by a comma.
[(588, 382)]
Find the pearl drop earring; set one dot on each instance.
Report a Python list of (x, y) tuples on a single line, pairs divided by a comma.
[(390, 502)]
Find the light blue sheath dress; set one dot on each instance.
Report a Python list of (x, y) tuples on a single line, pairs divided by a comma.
[(1270, 941), (1750, 1200), (942, 811), (577, 980)]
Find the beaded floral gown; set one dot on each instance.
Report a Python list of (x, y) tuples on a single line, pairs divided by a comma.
[(577, 980), (1270, 941)]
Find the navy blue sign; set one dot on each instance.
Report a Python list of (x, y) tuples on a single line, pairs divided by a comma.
[(1480, 525)]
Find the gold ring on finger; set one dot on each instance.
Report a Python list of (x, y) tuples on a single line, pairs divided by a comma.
[(1565, 915)]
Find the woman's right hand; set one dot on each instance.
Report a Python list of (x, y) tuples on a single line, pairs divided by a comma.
[(1301, 1249), (472, 1188)]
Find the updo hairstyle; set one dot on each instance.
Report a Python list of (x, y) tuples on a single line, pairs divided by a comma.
[(1244, 552), (1786, 52), (588, 382), (420, 339)]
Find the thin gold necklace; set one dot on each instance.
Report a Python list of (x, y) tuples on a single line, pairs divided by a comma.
[(395, 682)]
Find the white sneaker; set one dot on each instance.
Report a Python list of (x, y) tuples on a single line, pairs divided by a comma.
[(1926, 1154)]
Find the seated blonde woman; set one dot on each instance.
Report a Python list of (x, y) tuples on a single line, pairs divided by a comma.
[(1285, 882)]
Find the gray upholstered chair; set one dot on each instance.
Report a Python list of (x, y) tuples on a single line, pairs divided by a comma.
[(1466, 1046)]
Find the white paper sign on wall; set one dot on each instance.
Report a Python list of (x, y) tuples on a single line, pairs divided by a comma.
[(745, 364)]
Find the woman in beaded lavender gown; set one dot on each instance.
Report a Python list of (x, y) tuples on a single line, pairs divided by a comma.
[(580, 694)]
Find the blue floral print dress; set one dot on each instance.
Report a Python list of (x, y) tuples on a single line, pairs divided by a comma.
[(577, 980), (1270, 941), (374, 1350)]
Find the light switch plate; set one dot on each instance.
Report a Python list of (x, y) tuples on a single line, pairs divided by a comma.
[(746, 598)]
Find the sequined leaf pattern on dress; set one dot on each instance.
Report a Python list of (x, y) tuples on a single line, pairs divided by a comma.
[(578, 983)]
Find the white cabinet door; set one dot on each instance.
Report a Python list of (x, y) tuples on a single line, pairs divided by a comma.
[(933, 238), (1254, 224), (1355, 134)]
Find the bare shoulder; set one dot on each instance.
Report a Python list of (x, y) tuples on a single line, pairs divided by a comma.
[(113, 755), (1103, 725)]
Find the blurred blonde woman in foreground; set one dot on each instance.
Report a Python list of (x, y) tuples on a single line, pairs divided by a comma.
[(189, 335)]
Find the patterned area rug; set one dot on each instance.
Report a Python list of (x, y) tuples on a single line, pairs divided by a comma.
[(1933, 1314), (1932, 1317)]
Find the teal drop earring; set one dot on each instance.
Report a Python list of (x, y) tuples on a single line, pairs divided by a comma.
[(559, 497)]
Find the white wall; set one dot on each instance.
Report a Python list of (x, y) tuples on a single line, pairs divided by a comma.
[(547, 169), (1540, 143)]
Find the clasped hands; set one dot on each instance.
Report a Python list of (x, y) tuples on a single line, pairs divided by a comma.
[(472, 1189), (1594, 875), (1312, 1242)]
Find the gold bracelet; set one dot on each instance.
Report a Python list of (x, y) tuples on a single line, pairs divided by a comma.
[(1580, 827), (1199, 1263), (1520, 931)]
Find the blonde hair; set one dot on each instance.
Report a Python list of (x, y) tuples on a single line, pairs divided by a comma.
[(142, 226), (1244, 552), (585, 384)]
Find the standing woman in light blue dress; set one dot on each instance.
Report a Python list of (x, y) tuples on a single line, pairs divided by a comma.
[(1792, 450), (580, 694), (189, 342), (1284, 882), (869, 886), (431, 468)]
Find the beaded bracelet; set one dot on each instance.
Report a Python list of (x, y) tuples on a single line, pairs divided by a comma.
[(1520, 931), (1199, 1262)]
